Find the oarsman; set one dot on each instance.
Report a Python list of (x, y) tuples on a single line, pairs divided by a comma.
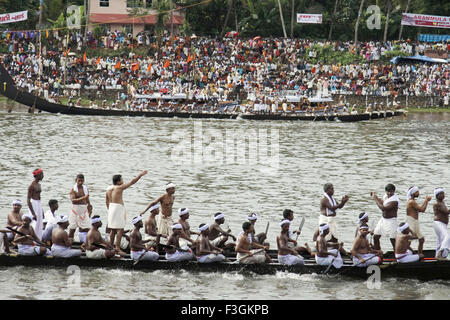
[(186, 234), (288, 214), (324, 256), (165, 218), (61, 243), (363, 254), (50, 221), (151, 228), (116, 208), (260, 237), (287, 255), (244, 254), (81, 209), (138, 250), (412, 213), (26, 245), (97, 247), (217, 235), (206, 252), (387, 225), (34, 202), (14, 218), (173, 251), (403, 251), (363, 219), (328, 207), (440, 224)]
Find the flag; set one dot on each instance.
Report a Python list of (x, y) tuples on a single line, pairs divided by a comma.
[(46, 32), (117, 66), (149, 67), (166, 64), (134, 67), (189, 58), (98, 60), (84, 57)]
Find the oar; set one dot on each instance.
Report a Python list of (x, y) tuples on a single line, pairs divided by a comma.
[(300, 227), (173, 247), (29, 237), (248, 255), (140, 257), (267, 228), (361, 262)]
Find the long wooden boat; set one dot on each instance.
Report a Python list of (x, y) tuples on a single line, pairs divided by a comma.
[(8, 89)]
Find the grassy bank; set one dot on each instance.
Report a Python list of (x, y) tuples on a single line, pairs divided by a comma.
[(428, 110)]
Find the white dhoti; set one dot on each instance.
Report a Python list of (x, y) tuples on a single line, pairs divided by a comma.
[(337, 262), (369, 259), (30, 250), (331, 221), (179, 256), (37, 224), (165, 225), (386, 227), (414, 226), (208, 258), (152, 239), (290, 259), (64, 252), (407, 257), (47, 234), (79, 217), (443, 238), (148, 256), (258, 257), (96, 254), (218, 240), (116, 216), (2, 250)]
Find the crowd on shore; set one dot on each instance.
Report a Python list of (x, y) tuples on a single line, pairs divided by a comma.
[(217, 69)]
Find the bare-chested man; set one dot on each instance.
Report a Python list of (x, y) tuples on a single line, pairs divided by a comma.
[(165, 219), (206, 252), (173, 251), (186, 234), (244, 254), (387, 225), (14, 218), (34, 202), (116, 208), (403, 251), (286, 254), (151, 228), (363, 254), (260, 237), (81, 209), (138, 250), (412, 213), (25, 244), (288, 214), (328, 207), (440, 224), (97, 247), (217, 235), (325, 257), (61, 243)]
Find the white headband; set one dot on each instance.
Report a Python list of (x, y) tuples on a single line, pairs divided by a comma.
[(410, 192), (284, 222), (365, 215), (438, 190), (95, 220), (403, 227), (183, 211), (220, 216), (253, 216), (62, 219), (203, 228), (17, 202), (177, 226), (364, 227), (323, 228), (27, 215), (136, 219), (170, 185), (156, 206)]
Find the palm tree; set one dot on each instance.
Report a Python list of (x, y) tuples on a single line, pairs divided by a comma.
[(401, 26), (386, 25), (230, 5), (333, 18), (357, 22), (282, 20)]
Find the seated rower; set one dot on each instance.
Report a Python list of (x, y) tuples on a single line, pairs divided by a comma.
[(287, 255), (14, 221), (151, 228), (186, 232), (97, 247), (325, 257), (288, 214), (403, 251), (173, 251), (50, 221), (260, 237), (137, 247), (246, 256), (62, 244), (363, 219), (219, 237), (25, 244), (206, 252), (363, 254)]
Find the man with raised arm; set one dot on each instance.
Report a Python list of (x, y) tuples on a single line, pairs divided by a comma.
[(328, 207), (440, 224), (34, 202), (116, 208), (412, 213), (81, 209)]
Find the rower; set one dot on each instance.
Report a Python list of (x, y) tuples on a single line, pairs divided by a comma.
[(260, 237), (244, 254), (412, 213), (81, 209), (26, 246), (14, 219), (151, 229), (403, 251), (138, 250), (328, 207), (325, 257), (97, 247), (62, 244), (173, 252), (186, 232), (34, 201), (387, 225), (363, 254), (287, 255), (288, 214), (217, 235), (363, 219), (50, 221), (206, 252), (440, 224)]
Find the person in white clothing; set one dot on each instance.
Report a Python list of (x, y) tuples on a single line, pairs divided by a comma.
[(34, 202), (328, 208), (325, 257), (61, 246), (286, 254), (138, 250), (403, 251), (81, 209), (50, 221), (441, 213), (206, 252), (173, 251)]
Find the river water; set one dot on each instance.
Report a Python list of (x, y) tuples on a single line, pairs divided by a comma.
[(232, 166)]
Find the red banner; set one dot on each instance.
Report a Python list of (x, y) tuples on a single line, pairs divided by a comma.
[(421, 20)]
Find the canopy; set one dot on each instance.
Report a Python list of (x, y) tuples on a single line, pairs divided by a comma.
[(417, 58)]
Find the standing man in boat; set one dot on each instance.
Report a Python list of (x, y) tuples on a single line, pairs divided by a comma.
[(328, 207), (412, 213), (61, 243), (244, 254), (116, 208), (206, 252), (81, 209), (96, 246), (388, 223), (217, 235), (440, 224), (34, 202), (286, 254), (50, 221), (363, 254), (403, 251), (325, 257)]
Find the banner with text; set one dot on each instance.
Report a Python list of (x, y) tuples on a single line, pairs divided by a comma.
[(309, 18), (14, 17), (421, 20)]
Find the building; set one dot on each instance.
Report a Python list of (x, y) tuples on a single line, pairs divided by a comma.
[(117, 15)]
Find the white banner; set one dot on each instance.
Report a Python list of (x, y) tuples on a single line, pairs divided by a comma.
[(421, 20), (13, 17), (309, 18)]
